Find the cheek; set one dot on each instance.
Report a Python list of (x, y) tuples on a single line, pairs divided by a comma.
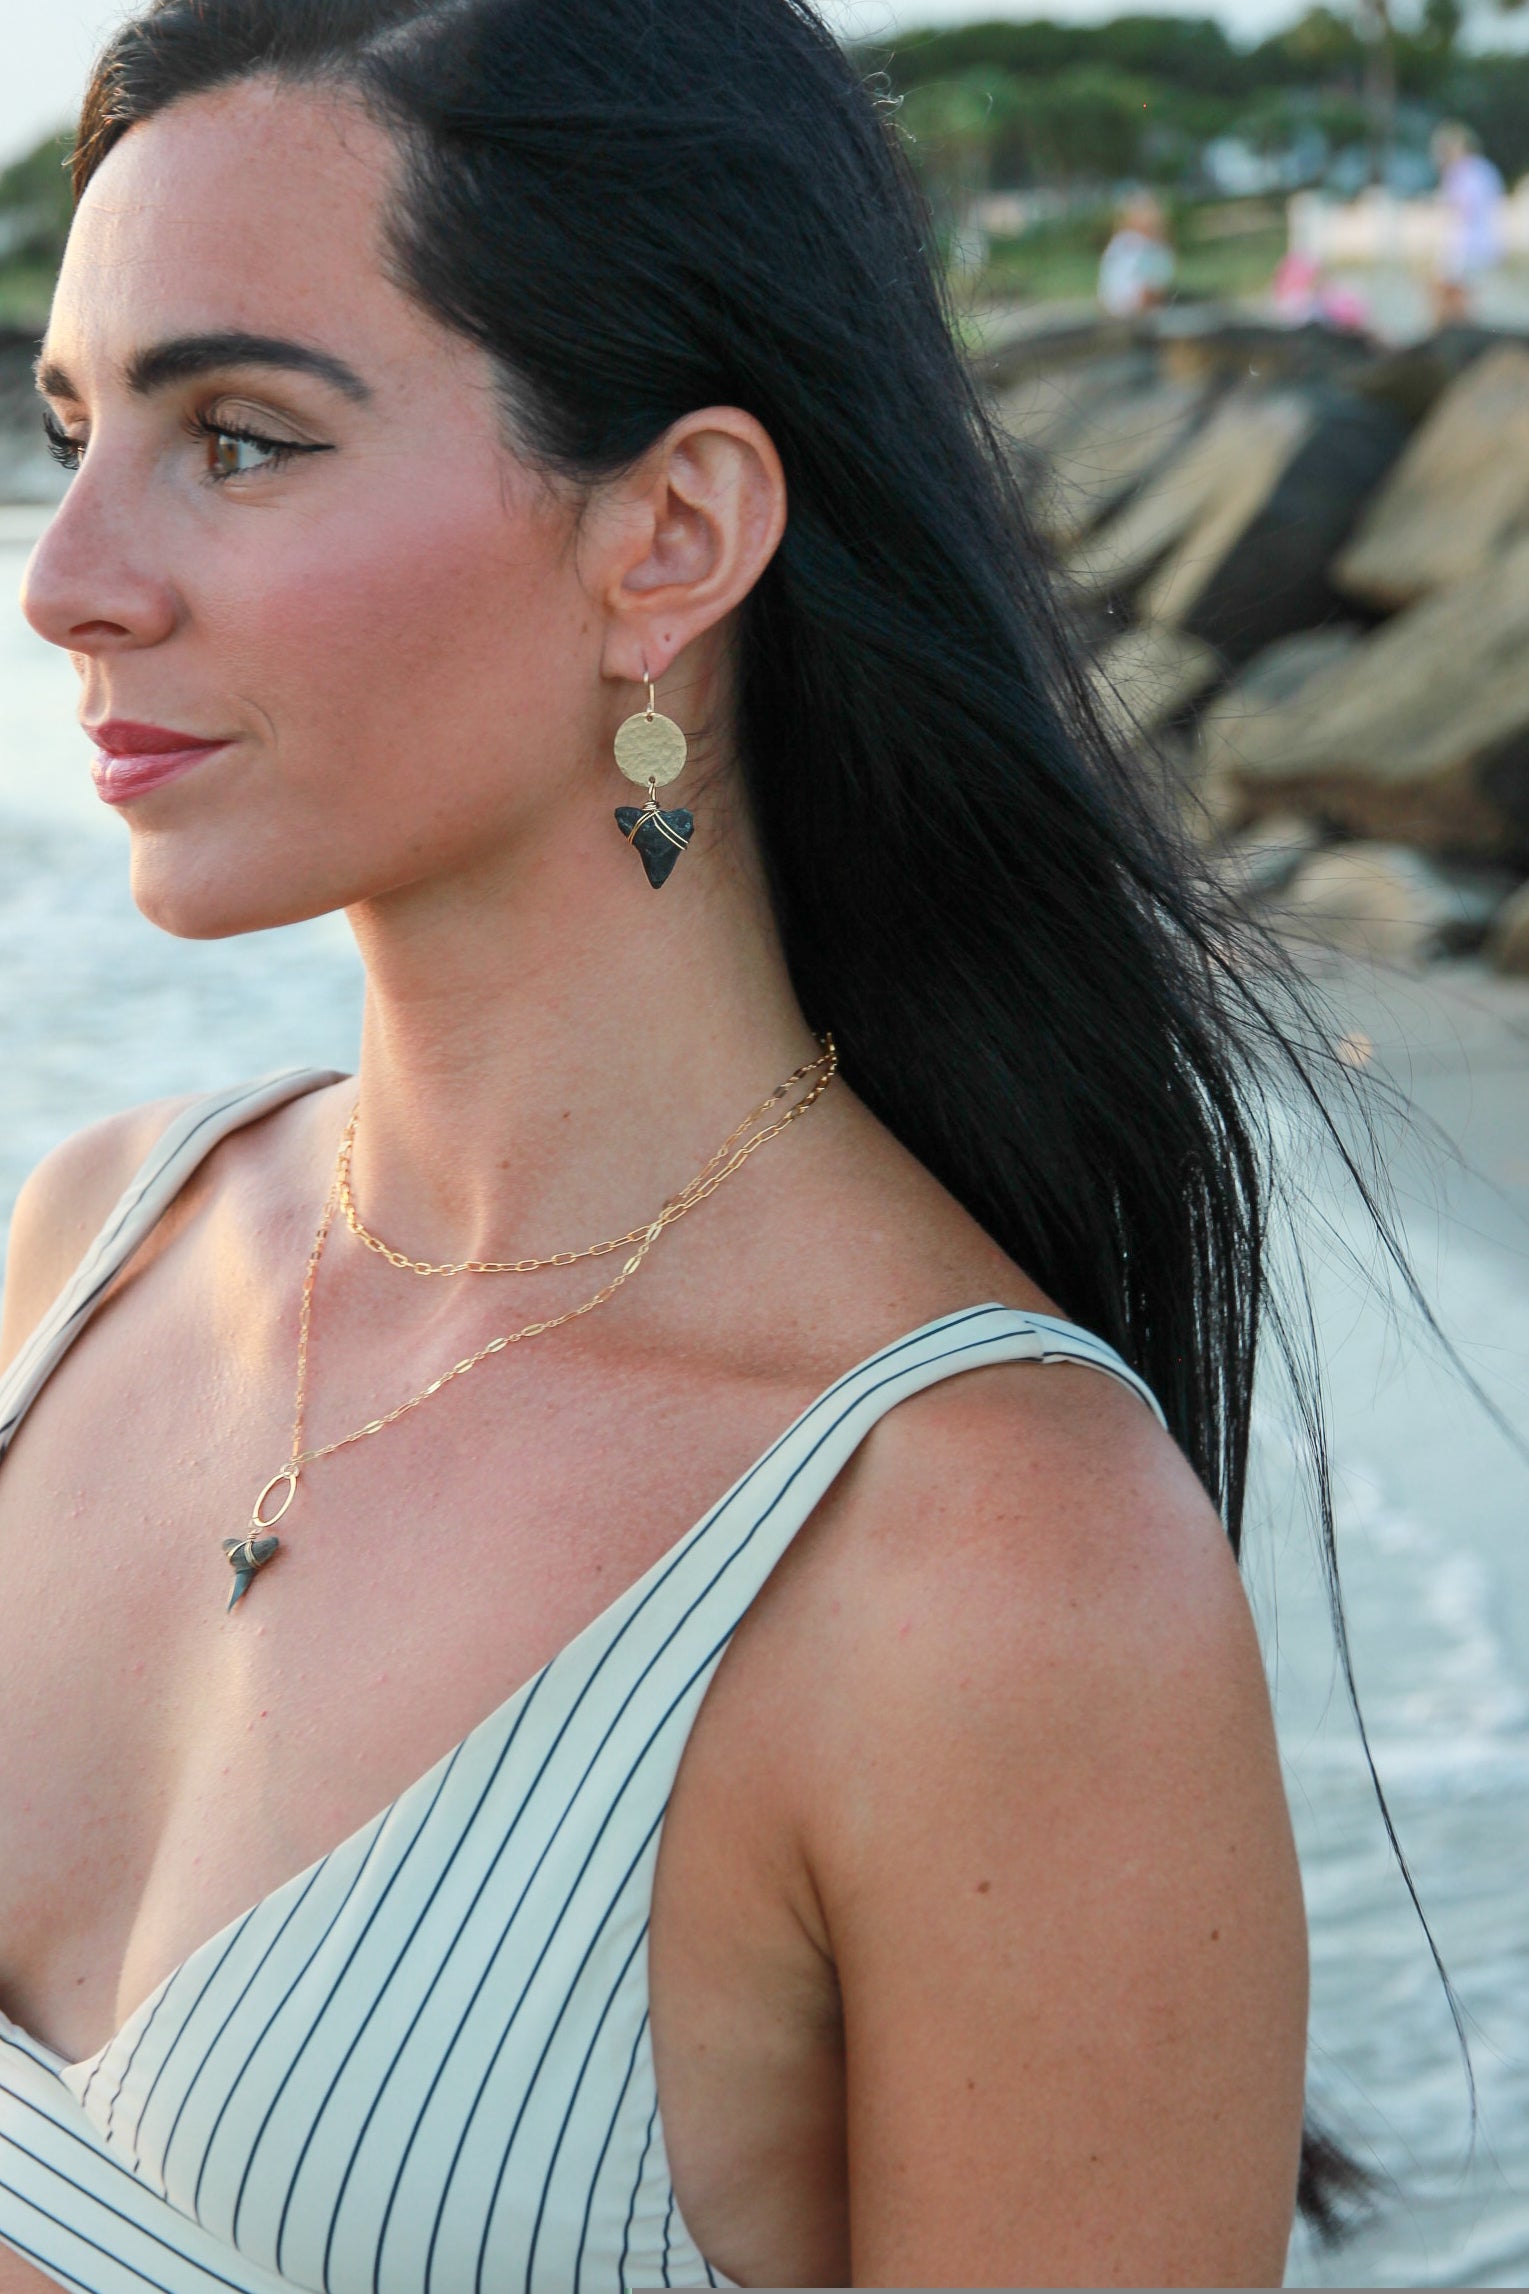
[(417, 628)]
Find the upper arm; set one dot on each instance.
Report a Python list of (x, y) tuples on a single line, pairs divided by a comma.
[(62, 1207), (1049, 1838)]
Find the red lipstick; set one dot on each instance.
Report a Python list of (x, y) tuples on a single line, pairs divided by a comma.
[(131, 759)]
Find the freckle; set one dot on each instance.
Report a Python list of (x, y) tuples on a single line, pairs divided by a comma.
[(983, 1887), (1215, 1935), (971, 2086)]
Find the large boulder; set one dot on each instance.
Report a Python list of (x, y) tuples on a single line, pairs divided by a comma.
[(1106, 452), (1508, 946), (1146, 677), (1457, 495), (1232, 726), (1222, 474), (1392, 904), (1419, 734), (1231, 539)]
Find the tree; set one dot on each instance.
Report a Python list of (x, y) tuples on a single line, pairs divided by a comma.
[(36, 203)]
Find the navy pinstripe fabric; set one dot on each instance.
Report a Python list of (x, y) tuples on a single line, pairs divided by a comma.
[(423, 2066)]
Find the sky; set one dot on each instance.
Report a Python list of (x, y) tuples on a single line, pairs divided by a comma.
[(47, 44)]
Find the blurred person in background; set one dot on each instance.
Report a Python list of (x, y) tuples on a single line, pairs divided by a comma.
[(1302, 294), (790, 1663), (1136, 270), (1473, 193)]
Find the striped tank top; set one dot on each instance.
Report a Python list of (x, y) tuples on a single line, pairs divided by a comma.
[(423, 2065)]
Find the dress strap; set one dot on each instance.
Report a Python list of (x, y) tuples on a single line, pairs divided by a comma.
[(176, 1154)]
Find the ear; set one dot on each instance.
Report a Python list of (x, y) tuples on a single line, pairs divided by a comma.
[(682, 538)]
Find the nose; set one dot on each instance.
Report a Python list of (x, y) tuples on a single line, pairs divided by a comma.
[(91, 584)]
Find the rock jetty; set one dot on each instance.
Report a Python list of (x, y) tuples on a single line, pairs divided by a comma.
[(1300, 564)]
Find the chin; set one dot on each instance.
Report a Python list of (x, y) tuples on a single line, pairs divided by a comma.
[(198, 900)]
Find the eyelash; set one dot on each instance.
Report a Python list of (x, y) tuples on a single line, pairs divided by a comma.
[(68, 451), (64, 450)]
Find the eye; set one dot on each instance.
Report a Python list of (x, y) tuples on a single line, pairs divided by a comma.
[(66, 451), (237, 453), (239, 450)]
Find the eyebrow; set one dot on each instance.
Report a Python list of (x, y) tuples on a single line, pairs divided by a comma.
[(184, 357)]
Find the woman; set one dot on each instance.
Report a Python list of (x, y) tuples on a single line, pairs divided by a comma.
[(435, 378)]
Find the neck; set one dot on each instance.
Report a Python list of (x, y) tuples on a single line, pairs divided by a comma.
[(551, 1048)]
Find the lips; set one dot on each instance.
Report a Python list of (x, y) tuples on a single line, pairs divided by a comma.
[(131, 758)]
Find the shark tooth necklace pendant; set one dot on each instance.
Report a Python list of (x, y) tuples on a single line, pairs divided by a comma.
[(258, 1547), (251, 1552), (245, 1556)]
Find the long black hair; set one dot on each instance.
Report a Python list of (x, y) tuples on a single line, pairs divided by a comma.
[(640, 207)]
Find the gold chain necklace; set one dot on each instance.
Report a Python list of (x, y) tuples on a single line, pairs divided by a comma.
[(258, 1546)]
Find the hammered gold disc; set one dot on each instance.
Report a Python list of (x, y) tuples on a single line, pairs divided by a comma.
[(651, 749)]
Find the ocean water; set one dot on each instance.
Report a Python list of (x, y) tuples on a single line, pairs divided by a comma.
[(98, 1010)]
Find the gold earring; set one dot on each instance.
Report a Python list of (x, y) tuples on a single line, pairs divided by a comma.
[(651, 748)]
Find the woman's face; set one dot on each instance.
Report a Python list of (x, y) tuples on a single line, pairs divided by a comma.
[(297, 539)]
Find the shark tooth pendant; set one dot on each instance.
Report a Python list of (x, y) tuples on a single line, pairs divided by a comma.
[(657, 837), (245, 1556)]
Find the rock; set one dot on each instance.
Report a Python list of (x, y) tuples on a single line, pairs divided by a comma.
[(1040, 409), (1106, 452), (1144, 678), (1420, 733), (1220, 476), (1508, 945), (1392, 904), (1267, 685), (1023, 338), (1264, 858), (1415, 376), (1222, 343), (1458, 494), (1231, 540), (1271, 580)]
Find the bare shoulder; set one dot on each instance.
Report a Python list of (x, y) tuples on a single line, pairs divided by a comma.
[(63, 1206), (1045, 1827), (1030, 1501)]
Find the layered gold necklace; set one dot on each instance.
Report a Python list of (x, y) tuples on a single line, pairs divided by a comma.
[(250, 1553)]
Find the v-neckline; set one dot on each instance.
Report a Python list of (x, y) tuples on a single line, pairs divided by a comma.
[(633, 1596)]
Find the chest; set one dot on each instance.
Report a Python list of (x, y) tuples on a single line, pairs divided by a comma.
[(176, 1765)]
